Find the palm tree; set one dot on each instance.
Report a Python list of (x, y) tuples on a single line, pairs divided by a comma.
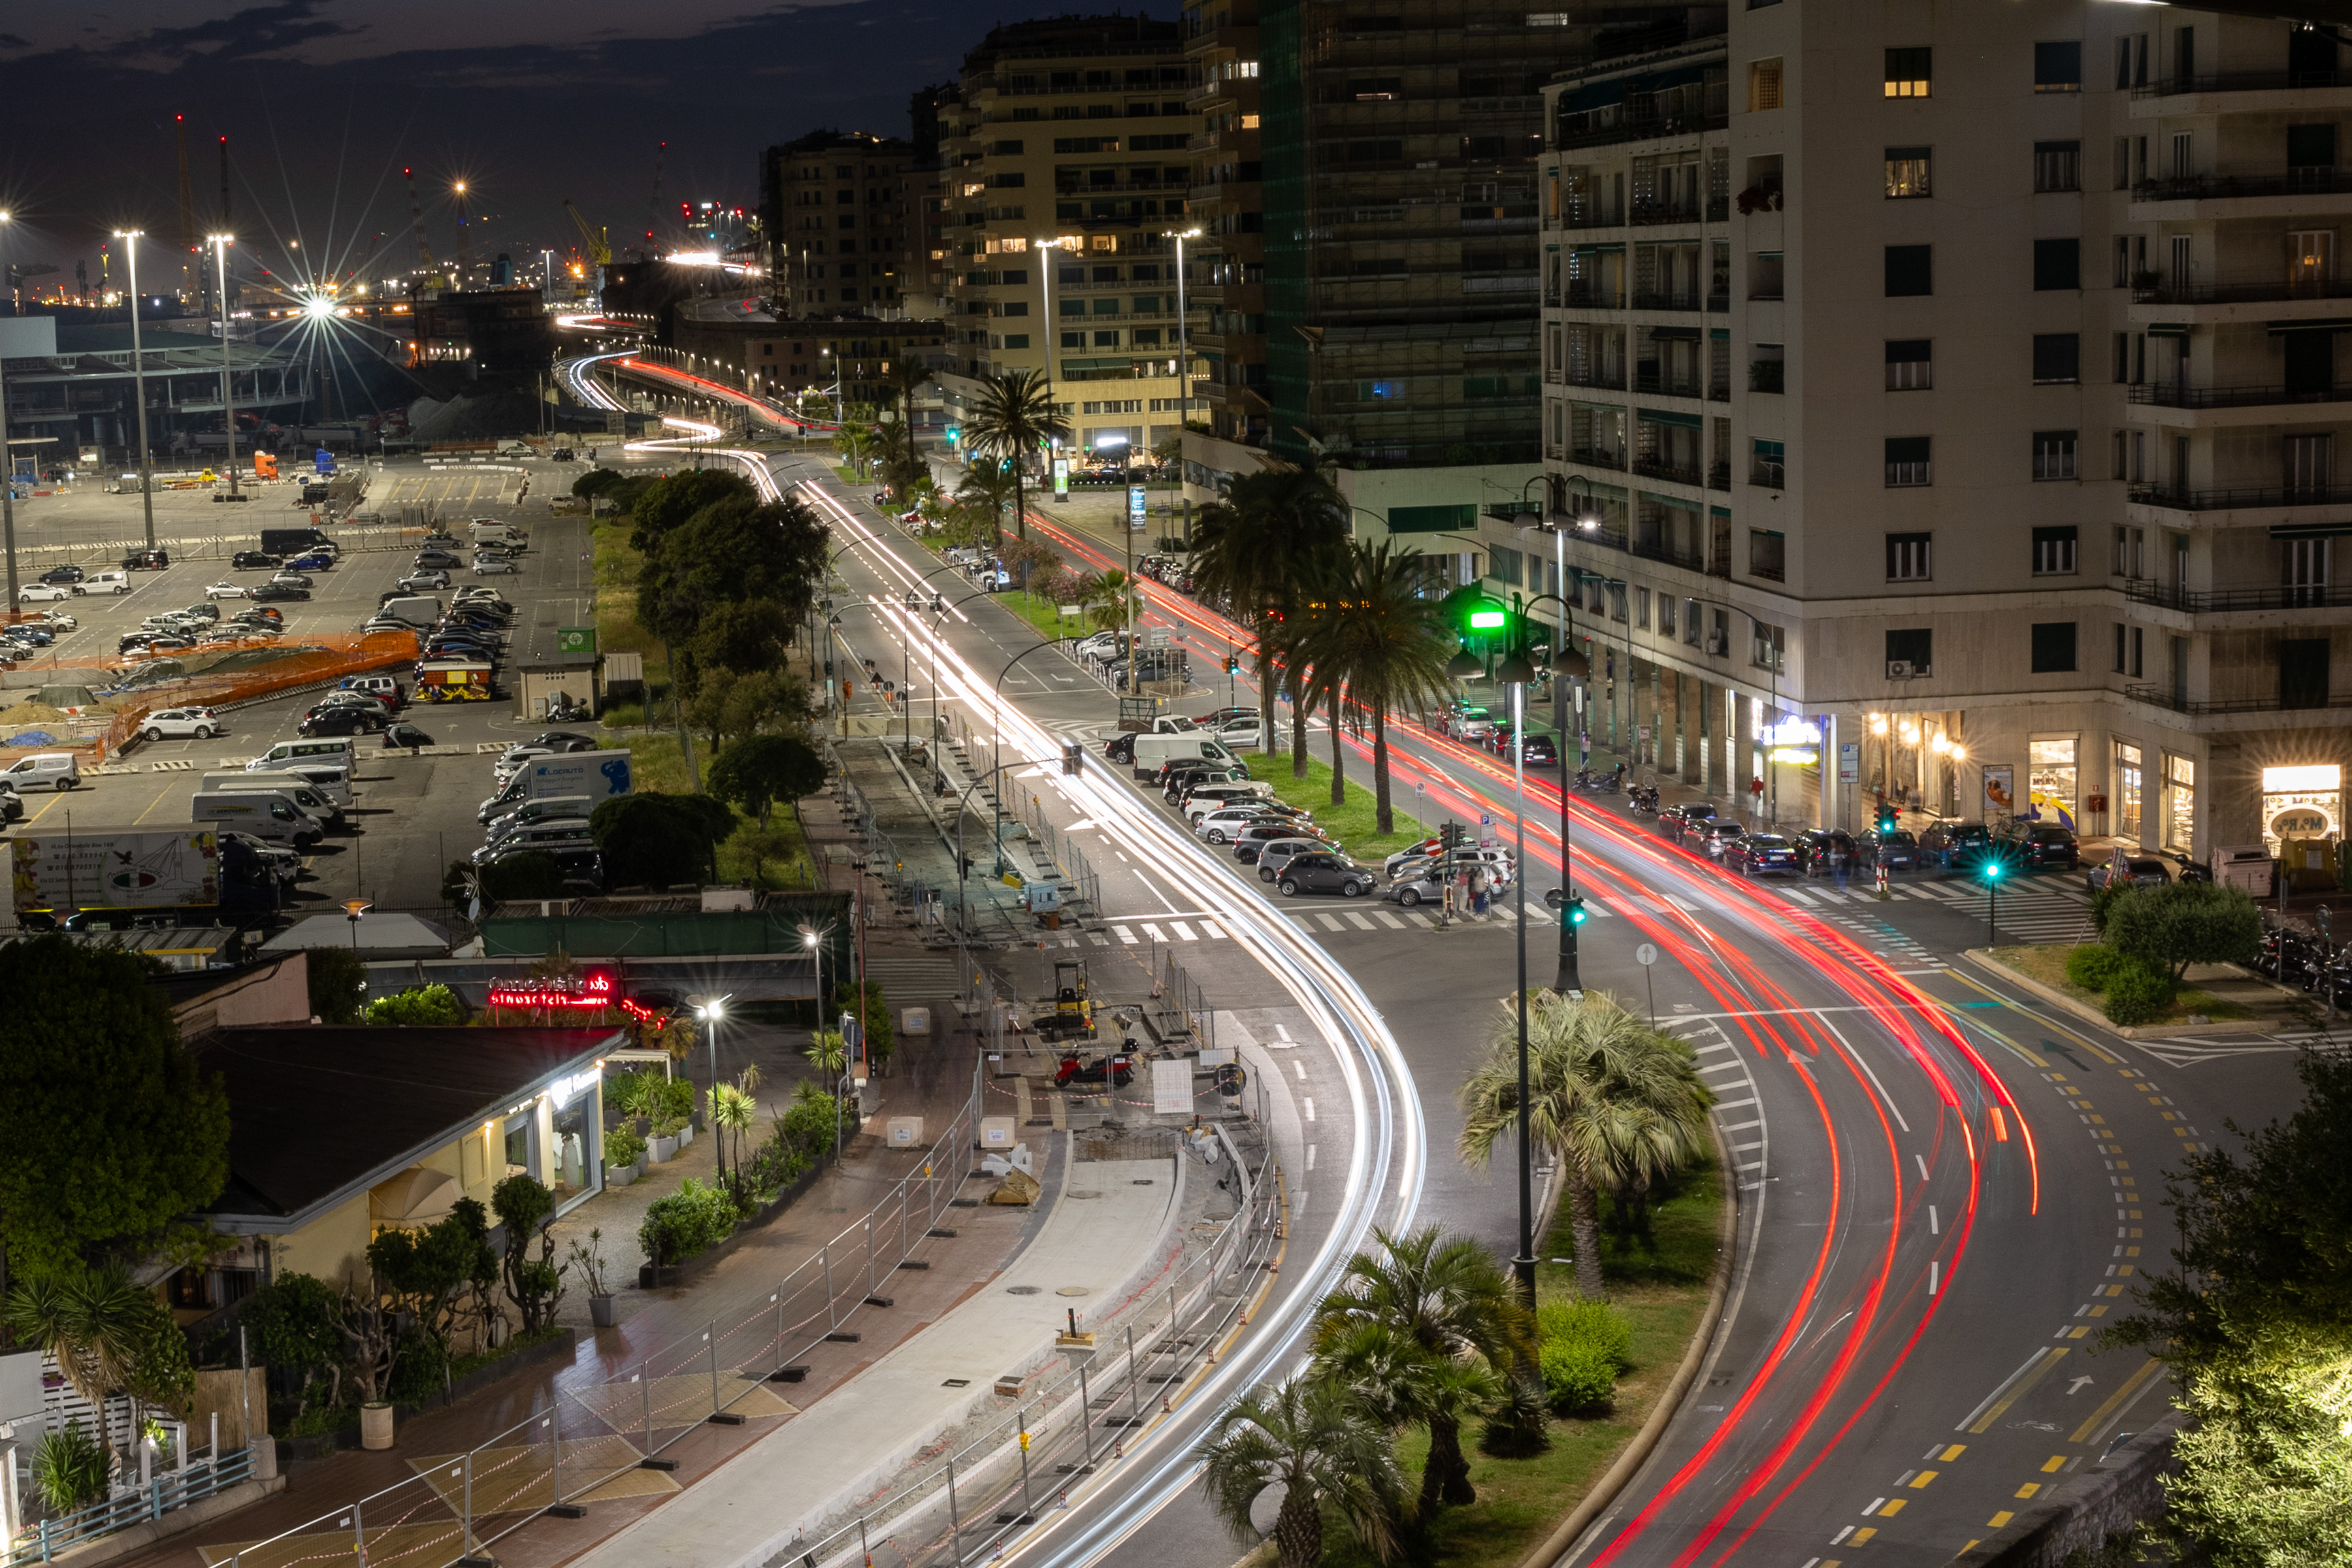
[(731, 1111), (1448, 1299), (1257, 549), (1401, 1383), (1618, 1103), (1312, 1437), (1374, 632), (986, 487), (97, 1324), (1014, 416)]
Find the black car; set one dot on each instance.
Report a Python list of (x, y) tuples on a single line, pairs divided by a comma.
[(266, 591), (1761, 855), (1676, 820), (339, 721), (64, 574), (1896, 850), (255, 561), (2042, 846), (2146, 871), (1326, 872), (1956, 846), (147, 561), (402, 733), (563, 741), (1539, 753), (1814, 847)]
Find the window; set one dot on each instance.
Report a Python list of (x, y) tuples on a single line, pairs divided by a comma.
[(2054, 551), (1907, 171), (1106, 340), (2123, 164), (1006, 180), (2131, 650), (2058, 67), (1914, 646), (2053, 454), (2054, 647), (1910, 269), (2057, 264), (1004, 149), (2057, 166), (1505, 566), (1763, 85), (1766, 644), (1768, 466), (2057, 357), (1768, 555), (1014, 308), (1906, 460), (1074, 340), (1642, 609), (1665, 614), (1908, 557), (1910, 364), (1908, 72), (1016, 339), (1764, 274)]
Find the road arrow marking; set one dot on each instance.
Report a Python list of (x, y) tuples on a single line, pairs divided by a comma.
[(2075, 1387)]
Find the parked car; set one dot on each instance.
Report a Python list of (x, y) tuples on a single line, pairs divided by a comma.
[(60, 620), (2043, 846), (147, 561), (1325, 871), (490, 566), (402, 734), (440, 558), (1219, 827), (43, 593), (1249, 840), (68, 573), (182, 723), (226, 591), (295, 579), (1675, 821), (1761, 855), (2146, 871), (1713, 835), (1469, 723), (255, 561), (420, 580), (1537, 751), (1956, 845), (559, 741), (1816, 843), (49, 770), (1896, 850), (438, 538), (343, 719), (276, 591), (316, 560)]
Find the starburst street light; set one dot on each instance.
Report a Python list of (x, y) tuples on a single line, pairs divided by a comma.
[(317, 307)]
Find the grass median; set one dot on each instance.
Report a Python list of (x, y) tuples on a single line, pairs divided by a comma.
[(1661, 1290), (1355, 825)]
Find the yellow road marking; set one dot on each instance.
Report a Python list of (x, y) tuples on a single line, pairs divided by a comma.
[(2003, 1516), (1892, 1509), (1954, 1452), (1864, 1534), (1922, 1478), (2001, 1406), (2054, 1026), (2029, 1488), (2078, 1334), (2117, 1400), (2055, 1463)]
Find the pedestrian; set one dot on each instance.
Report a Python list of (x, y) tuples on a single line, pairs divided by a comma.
[(1479, 889), (1838, 863)]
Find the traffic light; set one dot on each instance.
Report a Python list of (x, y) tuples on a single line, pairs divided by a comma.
[(1885, 819), (1232, 662), (1488, 618), (954, 434), (1573, 912)]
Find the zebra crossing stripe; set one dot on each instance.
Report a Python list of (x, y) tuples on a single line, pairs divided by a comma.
[(1155, 933), (1124, 935), (1183, 932), (1388, 919), (1359, 921)]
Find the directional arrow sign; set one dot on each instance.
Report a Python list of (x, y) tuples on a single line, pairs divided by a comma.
[(2075, 1387)]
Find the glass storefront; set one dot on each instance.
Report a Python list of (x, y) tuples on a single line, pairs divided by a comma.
[(2128, 788), (2302, 803), (2179, 802), (2053, 778)]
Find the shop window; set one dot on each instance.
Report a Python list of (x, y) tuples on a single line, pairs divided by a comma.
[(2055, 777), (2179, 802), (2128, 793)]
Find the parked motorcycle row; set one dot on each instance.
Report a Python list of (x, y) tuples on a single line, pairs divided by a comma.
[(2308, 960)]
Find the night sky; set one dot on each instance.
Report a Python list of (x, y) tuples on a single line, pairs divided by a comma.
[(528, 101)]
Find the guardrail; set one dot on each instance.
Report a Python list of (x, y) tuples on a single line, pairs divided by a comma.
[(162, 1494)]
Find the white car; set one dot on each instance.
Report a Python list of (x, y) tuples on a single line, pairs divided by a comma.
[(61, 621), (493, 565), (43, 593), (1219, 827), (181, 723), (226, 591), (426, 578)]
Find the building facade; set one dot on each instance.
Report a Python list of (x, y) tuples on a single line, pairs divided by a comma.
[(837, 217), (1945, 406), (1066, 154), (787, 359)]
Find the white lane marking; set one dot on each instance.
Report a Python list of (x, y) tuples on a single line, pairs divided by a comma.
[(1125, 935), (1311, 1156), (1935, 1227), (1183, 932), (1923, 1166), (1308, 1102), (1302, 1070), (1155, 933)]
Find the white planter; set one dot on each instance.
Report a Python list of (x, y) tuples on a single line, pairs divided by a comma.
[(685, 1135), (663, 1150)]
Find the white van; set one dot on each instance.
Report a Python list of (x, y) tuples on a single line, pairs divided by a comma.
[(293, 786), (46, 770), (505, 534), (286, 752), (266, 814), (543, 810), (104, 583), (1151, 750), (329, 778), (560, 834)]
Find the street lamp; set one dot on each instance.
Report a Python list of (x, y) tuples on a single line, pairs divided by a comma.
[(220, 244), (7, 469), (710, 1012), (130, 237), (352, 910)]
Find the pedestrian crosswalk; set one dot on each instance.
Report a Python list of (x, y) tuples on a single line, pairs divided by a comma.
[(2032, 913)]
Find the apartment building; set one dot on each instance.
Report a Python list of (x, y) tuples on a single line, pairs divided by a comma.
[(840, 221), (1946, 404), (1067, 153), (1367, 180)]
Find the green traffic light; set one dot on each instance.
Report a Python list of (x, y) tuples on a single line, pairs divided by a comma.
[(1487, 620), (1576, 911)]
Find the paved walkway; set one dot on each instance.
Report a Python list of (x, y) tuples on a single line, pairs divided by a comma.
[(1109, 1228)]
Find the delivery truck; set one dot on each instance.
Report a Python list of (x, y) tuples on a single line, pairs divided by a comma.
[(294, 541), (185, 876), (456, 681), (595, 776)]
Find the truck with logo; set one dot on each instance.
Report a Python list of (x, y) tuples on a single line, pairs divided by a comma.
[(456, 681), (594, 778), (106, 876)]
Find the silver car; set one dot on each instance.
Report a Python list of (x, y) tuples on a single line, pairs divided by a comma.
[(1272, 856), (485, 566)]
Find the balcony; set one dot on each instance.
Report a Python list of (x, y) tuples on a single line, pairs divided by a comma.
[(1664, 468), (2167, 395), (1662, 550), (1718, 303), (1719, 477), (2216, 601), (2166, 697), (2309, 182), (1596, 457), (1590, 215), (2182, 499), (1770, 476), (1583, 297), (1645, 130), (2276, 291), (1597, 380), (1666, 299), (1767, 375), (1647, 378), (1718, 391), (1645, 215), (2243, 81)]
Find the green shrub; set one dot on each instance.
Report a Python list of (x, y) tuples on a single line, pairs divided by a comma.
[(633, 1093), (689, 1221), (2136, 994), (2094, 968), (420, 1372), (69, 1468), (624, 1147), (1578, 1375), (1587, 1322), (2103, 903), (674, 1097), (338, 979), (428, 1005)]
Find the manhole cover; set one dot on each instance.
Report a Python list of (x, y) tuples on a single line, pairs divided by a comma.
[(1074, 1290), (1084, 1193), (1022, 1289)]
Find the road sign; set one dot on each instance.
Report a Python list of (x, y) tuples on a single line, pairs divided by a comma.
[(1646, 954), (575, 639), (1485, 820), (1849, 761), (1135, 506)]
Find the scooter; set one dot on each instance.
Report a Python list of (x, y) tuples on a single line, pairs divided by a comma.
[(1119, 1069), (2191, 870)]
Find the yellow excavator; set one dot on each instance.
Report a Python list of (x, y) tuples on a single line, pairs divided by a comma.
[(600, 254)]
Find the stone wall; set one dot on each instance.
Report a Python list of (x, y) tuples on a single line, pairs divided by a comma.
[(2123, 1489)]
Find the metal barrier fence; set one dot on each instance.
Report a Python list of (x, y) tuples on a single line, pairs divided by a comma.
[(1030, 811), (161, 1494), (107, 554), (589, 1435), (966, 1503), (1179, 1009)]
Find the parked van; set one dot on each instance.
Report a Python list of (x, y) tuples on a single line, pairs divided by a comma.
[(293, 786), (419, 610), (104, 583), (46, 769), (505, 535), (329, 778), (569, 833), (266, 814), (543, 810), (1151, 751), (338, 749)]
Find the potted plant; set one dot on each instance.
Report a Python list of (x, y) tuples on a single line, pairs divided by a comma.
[(589, 1261), (664, 1138), (625, 1155)]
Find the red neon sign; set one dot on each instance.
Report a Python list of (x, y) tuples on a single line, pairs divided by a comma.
[(593, 990)]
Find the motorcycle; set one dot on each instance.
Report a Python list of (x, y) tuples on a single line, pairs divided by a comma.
[(1119, 1069), (1643, 798), (2191, 870)]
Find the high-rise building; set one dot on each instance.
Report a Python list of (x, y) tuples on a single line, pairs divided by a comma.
[(838, 212), (1367, 180), (1944, 405), (1066, 154)]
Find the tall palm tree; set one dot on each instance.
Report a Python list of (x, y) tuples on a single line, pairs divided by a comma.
[(1449, 1299), (97, 1324), (987, 486), (1618, 1102), (1375, 632), (1312, 1437), (1257, 549), (1014, 416), (1402, 1383)]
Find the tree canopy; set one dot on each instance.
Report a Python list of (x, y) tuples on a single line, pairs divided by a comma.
[(118, 1134), (653, 840), (2180, 923), (666, 503), (761, 769), (734, 550)]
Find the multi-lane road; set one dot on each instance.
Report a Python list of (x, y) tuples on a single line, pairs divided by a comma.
[(1944, 1191)]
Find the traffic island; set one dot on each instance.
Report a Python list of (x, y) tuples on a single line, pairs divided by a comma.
[(2214, 999)]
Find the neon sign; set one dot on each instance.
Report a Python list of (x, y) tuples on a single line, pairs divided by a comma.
[(594, 990)]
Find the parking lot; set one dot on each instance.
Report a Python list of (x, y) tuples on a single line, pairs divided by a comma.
[(411, 814)]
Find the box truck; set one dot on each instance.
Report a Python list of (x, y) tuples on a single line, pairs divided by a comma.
[(188, 872), (595, 776)]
